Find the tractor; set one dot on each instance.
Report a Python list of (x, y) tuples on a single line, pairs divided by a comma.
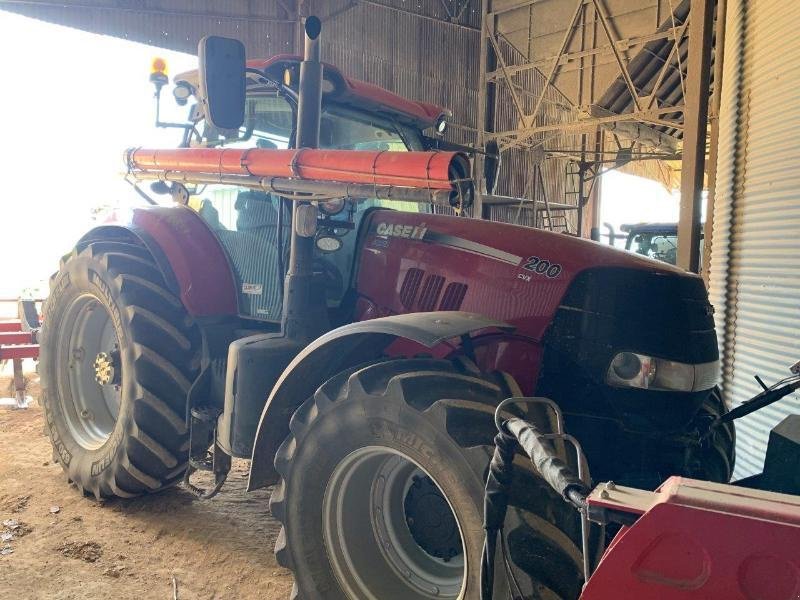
[(315, 300), (654, 240)]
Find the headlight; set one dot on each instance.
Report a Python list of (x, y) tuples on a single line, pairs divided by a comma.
[(629, 369)]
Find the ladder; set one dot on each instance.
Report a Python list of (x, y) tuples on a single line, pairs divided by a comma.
[(545, 216)]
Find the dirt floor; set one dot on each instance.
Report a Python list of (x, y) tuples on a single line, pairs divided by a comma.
[(65, 546)]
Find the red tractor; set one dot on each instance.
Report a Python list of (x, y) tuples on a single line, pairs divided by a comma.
[(281, 311)]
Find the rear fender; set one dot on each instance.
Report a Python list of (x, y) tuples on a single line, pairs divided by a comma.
[(336, 351), (190, 258)]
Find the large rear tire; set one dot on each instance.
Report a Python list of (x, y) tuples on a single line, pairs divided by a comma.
[(118, 355), (381, 492)]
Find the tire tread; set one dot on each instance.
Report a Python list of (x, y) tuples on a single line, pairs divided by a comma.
[(416, 381), (165, 344)]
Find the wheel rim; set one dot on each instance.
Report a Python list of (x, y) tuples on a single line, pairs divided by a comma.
[(90, 360), (376, 545)]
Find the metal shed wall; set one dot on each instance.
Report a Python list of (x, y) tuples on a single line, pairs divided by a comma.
[(755, 271)]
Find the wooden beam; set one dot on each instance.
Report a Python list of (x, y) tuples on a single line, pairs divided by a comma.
[(701, 26)]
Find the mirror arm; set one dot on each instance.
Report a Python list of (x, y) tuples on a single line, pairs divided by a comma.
[(188, 126)]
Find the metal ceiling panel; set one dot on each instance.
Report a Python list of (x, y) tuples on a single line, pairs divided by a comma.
[(174, 24)]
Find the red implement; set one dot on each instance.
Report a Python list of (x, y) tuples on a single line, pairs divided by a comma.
[(8, 338), (431, 170), (699, 540), (13, 325), (19, 352)]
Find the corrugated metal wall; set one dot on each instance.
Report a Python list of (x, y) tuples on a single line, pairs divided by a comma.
[(425, 50), (420, 55), (416, 51), (755, 264), (729, 173)]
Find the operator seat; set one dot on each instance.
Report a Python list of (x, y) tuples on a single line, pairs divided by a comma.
[(254, 209)]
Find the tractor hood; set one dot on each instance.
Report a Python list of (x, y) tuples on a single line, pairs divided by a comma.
[(413, 262)]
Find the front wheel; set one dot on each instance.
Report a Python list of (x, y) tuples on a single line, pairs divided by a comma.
[(716, 458), (381, 492)]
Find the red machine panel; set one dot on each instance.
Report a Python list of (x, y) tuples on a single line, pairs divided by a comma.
[(700, 540)]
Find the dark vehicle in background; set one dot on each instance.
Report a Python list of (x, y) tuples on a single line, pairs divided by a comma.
[(654, 240)]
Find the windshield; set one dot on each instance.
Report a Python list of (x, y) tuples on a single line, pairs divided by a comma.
[(350, 130), (254, 227), (268, 124)]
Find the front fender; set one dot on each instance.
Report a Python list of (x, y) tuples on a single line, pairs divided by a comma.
[(187, 252), (337, 350)]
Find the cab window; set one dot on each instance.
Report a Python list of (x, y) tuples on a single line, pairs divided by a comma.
[(246, 221)]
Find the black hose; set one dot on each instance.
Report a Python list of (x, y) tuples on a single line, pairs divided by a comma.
[(495, 505), (517, 433), (552, 469)]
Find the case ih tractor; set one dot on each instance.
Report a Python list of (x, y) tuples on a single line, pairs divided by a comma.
[(300, 305)]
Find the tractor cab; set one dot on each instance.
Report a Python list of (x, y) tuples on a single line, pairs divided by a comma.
[(254, 227)]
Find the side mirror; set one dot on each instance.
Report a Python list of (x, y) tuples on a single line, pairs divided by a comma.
[(222, 81), (491, 165), (159, 187)]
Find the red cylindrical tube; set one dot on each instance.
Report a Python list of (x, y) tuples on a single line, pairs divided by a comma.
[(430, 170)]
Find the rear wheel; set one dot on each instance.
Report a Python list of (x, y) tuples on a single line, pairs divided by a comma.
[(381, 492), (118, 356)]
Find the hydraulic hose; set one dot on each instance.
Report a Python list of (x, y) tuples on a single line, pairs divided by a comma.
[(517, 433), (552, 469), (495, 505)]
